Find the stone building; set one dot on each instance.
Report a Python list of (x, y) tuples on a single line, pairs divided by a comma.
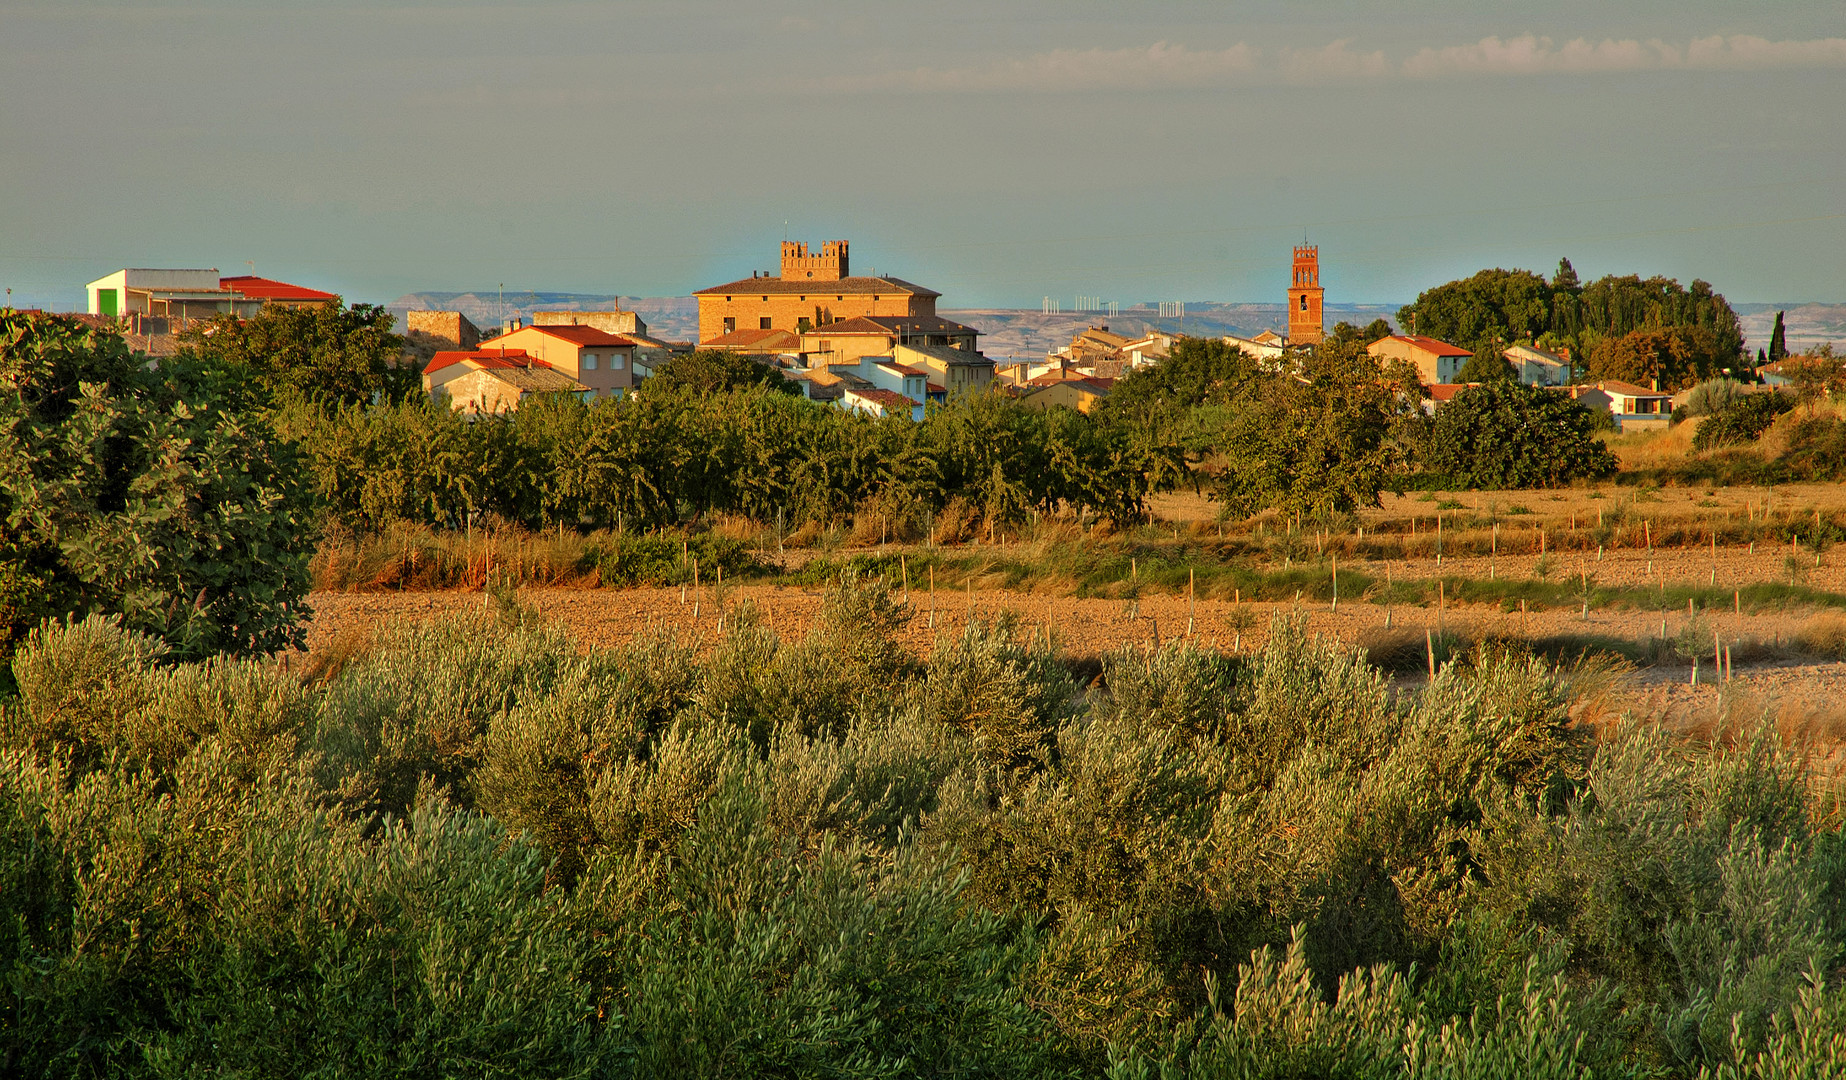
[(810, 291), (440, 331), (603, 363), (620, 323)]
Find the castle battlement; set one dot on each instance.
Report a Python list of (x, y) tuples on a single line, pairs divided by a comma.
[(830, 265)]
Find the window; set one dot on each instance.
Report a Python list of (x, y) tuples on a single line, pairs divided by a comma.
[(763, 323), (730, 325), (1304, 303), (589, 361), (617, 362)]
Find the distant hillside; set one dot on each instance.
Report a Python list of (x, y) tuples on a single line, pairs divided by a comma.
[(1805, 325)]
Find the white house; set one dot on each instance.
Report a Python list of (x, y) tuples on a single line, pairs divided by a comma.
[(1635, 408), (1536, 367), (185, 294)]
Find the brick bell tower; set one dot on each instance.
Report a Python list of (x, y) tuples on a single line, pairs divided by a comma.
[(1305, 324)]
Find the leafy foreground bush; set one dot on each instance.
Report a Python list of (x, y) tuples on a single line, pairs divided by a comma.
[(1503, 434), (1743, 419), (479, 851), (150, 495)]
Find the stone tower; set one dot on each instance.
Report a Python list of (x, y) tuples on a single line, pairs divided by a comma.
[(1305, 325), (830, 265)]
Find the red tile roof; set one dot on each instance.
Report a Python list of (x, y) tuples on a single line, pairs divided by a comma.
[(849, 286), (890, 399), (1626, 389), (259, 288), (1430, 344), (582, 335), (766, 340), (890, 325), (483, 358)]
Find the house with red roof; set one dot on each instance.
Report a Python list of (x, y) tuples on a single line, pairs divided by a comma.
[(601, 361), (193, 294), (1635, 408), (493, 382), (276, 293), (1435, 361), (874, 401), (1082, 393)]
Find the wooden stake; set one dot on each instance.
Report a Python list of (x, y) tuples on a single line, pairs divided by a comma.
[(1429, 643), (903, 563), (932, 596)]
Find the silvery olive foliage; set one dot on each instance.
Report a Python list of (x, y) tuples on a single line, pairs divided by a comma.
[(472, 847)]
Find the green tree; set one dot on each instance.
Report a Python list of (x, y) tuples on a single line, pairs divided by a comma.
[(1674, 358), (1314, 441), (1475, 313), (1778, 340), (1497, 306), (1485, 367), (137, 493), (1503, 434), (329, 354), (1345, 333), (713, 371)]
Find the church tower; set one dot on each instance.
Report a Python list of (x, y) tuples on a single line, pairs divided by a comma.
[(1305, 325)]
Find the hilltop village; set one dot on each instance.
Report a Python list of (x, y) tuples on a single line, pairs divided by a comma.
[(869, 343)]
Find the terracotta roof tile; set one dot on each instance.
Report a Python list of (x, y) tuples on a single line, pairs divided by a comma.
[(582, 335), (847, 286), (483, 358), (260, 288), (765, 340), (891, 325), (1430, 344)]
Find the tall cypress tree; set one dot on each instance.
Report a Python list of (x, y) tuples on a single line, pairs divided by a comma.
[(1778, 341)]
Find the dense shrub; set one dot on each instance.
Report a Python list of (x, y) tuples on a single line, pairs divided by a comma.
[(150, 495), (481, 850), (1503, 434), (1713, 395), (1741, 419)]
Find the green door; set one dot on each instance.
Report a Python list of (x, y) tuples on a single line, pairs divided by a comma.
[(105, 301)]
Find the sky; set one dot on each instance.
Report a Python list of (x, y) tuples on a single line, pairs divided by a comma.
[(999, 152)]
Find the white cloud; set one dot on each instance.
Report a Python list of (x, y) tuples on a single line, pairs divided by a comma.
[(1157, 66), (1530, 55), (1164, 65)]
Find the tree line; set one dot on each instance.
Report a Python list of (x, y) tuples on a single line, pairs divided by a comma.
[(185, 494), (1617, 327)]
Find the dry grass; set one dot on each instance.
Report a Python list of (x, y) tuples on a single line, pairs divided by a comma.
[(1824, 635), (1652, 449), (352, 643)]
